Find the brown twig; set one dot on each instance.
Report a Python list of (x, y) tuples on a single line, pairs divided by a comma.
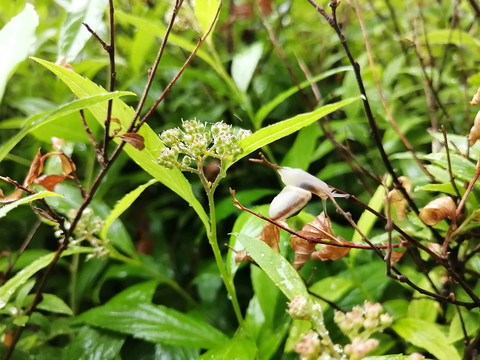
[(332, 21), (449, 164), (389, 114), (152, 71), (177, 76)]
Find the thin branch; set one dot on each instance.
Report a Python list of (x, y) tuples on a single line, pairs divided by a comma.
[(449, 164), (176, 77), (389, 114), (152, 71), (332, 20)]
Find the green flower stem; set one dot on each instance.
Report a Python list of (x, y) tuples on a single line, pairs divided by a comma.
[(212, 239)]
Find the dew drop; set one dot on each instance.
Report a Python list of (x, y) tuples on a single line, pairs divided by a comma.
[(262, 254)]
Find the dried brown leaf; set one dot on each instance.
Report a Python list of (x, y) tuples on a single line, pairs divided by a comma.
[(17, 194), (241, 256), (329, 252), (242, 11), (50, 181), (474, 134), (265, 7), (396, 256), (320, 228), (270, 235), (134, 139), (36, 168), (437, 210), (476, 98), (302, 249), (68, 165)]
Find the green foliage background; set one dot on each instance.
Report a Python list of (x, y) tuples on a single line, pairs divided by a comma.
[(159, 293)]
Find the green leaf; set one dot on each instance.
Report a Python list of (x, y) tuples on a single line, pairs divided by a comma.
[(471, 321), (449, 36), (300, 154), (9, 288), (93, 344), (331, 288), (154, 323), (205, 10), (39, 120), (244, 64), (271, 133), (138, 293), (445, 188), (427, 336), (6, 208), (16, 39), (285, 277), (241, 347), (73, 34), (51, 303), (267, 108), (123, 205), (461, 167), (147, 158)]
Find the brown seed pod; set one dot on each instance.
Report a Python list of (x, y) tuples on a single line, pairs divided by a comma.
[(437, 210), (476, 98), (474, 134)]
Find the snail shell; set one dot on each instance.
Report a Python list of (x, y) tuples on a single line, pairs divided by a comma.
[(289, 202), (306, 181)]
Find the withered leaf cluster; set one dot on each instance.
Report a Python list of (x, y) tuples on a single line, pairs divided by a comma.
[(36, 177), (319, 229)]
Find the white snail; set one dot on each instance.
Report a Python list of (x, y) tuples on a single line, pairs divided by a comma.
[(300, 185), (306, 181), (289, 202)]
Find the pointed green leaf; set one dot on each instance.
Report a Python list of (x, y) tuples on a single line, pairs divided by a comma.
[(241, 347), (73, 34), (427, 336), (267, 108), (147, 158), (123, 205), (154, 323), (94, 344), (244, 65), (37, 121), (6, 208), (285, 277), (205, 10), (20, 278), (16, 39), (271, 133)]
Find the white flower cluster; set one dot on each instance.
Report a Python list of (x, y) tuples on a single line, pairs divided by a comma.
[(195, 142)]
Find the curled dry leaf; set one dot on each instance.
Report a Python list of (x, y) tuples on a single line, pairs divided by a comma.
[(270, 235), (302, 249), (476, 98), (396, 256), (474, 134), (134, 139), (437, 210), (265, 6), (329, 252), (241, 256), (320, 228), (36, 168), (50, 181), (397, 202)]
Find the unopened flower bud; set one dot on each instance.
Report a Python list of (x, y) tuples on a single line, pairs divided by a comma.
[(299, 308)]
